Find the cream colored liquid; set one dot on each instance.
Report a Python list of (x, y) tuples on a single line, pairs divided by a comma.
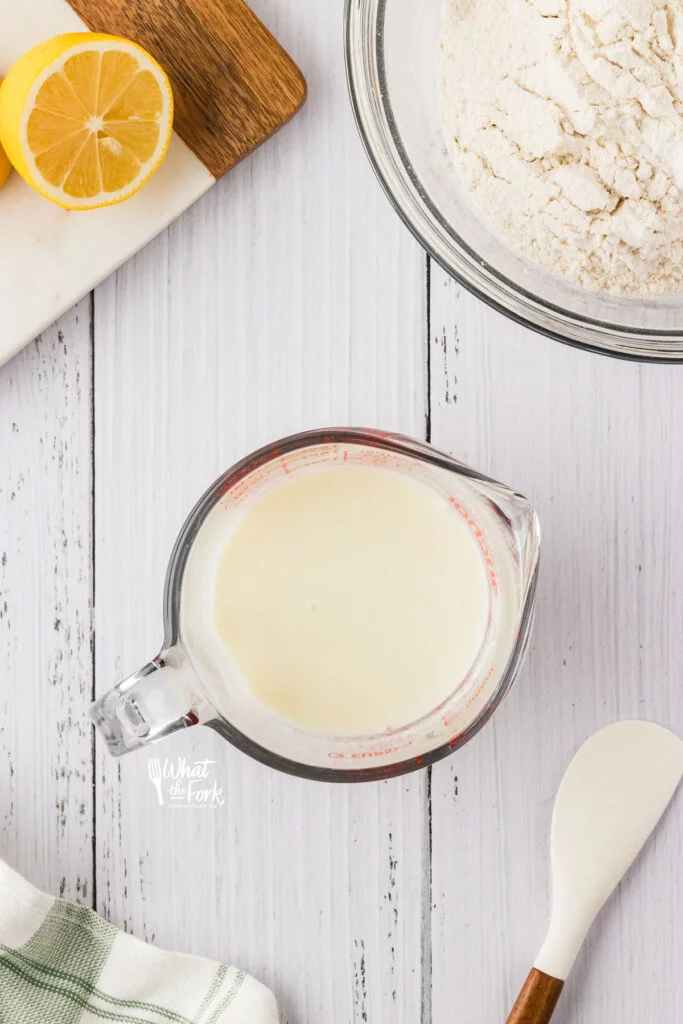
[(352, 599)]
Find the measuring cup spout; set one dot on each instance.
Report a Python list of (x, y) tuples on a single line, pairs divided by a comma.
[(527, 530), (521, 521), (160, 699)]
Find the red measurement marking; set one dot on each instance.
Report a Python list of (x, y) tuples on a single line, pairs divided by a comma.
[(481, 541), (479, 689), (362, 754), (449, 719)]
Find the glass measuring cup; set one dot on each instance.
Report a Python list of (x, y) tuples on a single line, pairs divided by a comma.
[(174, 691)]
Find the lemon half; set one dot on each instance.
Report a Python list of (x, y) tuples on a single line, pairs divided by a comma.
[(5, 165), (86, 118)]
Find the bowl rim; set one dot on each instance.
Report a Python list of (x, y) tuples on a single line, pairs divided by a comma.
[(629, 349)]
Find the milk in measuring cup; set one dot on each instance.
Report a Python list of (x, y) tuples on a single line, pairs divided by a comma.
[(350, 600)]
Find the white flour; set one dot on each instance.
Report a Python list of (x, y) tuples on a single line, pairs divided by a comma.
[(565, 120)]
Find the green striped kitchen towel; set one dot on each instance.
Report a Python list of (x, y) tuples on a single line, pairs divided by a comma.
[(62, 964)]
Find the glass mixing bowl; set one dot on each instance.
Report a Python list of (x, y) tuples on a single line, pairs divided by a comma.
[(391, 60)]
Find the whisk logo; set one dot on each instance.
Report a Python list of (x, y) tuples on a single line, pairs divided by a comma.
[(182, 783)]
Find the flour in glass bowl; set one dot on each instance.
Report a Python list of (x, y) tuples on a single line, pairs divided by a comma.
[(565, 121)]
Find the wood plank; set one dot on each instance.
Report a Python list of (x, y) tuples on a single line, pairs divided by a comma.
[(233, 83), (290, 297), (45, 610), (595, 444)]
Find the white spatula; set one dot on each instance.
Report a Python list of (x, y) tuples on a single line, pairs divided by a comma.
[(610, 799)]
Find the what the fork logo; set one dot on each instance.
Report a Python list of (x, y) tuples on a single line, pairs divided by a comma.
[(182, 783)]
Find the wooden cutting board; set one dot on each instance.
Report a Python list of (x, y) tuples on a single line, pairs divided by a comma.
[(233, 86)]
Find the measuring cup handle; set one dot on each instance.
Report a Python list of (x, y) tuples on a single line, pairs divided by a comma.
[(158, 700), (537, 1000)]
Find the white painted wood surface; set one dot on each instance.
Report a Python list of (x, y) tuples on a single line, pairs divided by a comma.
[(290, 297), (46, 609), (595, 444)]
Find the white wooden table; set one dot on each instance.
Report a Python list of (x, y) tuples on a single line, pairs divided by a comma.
[(293, 297)]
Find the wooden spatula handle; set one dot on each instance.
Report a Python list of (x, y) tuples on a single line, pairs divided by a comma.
[(537, 1000)]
